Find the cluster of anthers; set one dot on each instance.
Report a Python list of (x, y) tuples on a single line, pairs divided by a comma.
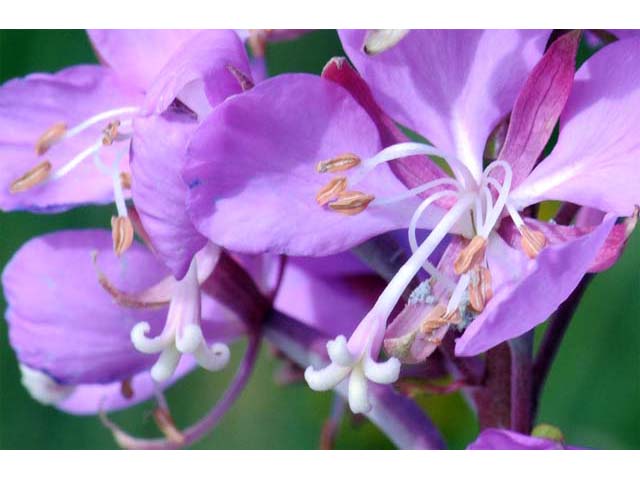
[(115, 132), (479, 202)]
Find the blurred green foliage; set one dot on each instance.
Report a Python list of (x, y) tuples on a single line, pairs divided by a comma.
[(593, 393)]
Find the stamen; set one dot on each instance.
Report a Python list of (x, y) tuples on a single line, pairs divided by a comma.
[(493, 215), (420, 189), (396, 287), (480, 291), (125, 180), (434, 320), (471, 255), (413, 224), (100, 117), (110, 133), (515, 216), (331, 190), (340, 163), (77, 160), (167, 426), (351, 203), (413, 239), (243, 80), (532, 241), (408, 149), (51, 136), (33, 177), (121, 233), (459, 293)]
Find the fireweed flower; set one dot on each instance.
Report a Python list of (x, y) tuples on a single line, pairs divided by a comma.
[(270, 190), (216, 66), (66, 136), (74, 350)]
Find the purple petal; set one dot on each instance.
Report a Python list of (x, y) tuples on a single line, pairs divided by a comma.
[(533, 292), (138, 55), (62, 322), (207, 68), (558, 234), (332, 304), (157, 156), (252, 170), (90, 399), (412, 171), (451, 86), (595, 162), (29, 106), (539, 105), (498, 439)]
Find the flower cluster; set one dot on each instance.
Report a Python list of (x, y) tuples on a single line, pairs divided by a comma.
[(379, 224)]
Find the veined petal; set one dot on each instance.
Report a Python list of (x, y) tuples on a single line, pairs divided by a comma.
[(80, 342), (412, 171), (157, 155), (527, 299), (138, 55), (60, 319), (557, 234), (204, 71), (251, 170), (92, 398), (539, 105), (32, 105), (334, 305), (451, 86), (595, 162)]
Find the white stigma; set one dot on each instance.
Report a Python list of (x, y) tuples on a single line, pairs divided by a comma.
[(474, 204), (182, 333), (360, 368)]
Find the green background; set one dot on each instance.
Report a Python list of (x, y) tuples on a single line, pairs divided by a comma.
[(593, 393)]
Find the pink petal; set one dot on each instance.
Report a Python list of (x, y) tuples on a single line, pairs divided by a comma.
[(595, 162), (450, 86), (138, 55), (30, 106), (533, 293), (252, 170), (539, 105)]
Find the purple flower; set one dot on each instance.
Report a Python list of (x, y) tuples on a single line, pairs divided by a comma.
[(71, 339), (206, 70), (260, 183), (66, 135)]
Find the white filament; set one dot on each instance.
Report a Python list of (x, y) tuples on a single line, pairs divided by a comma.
[(418, 190), (503, 193), (100, 117), (77, 160), (408, 149), (458, 293)]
